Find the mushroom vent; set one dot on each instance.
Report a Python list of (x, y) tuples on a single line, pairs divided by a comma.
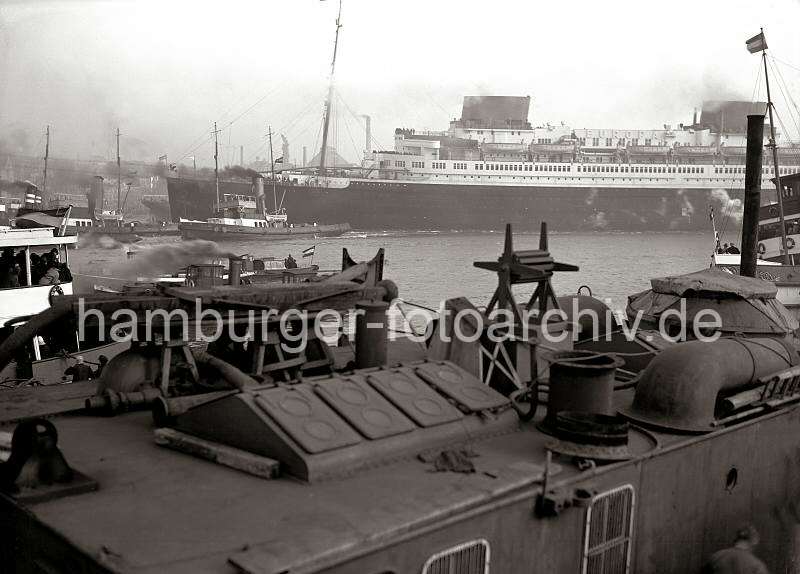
[(678, 390)]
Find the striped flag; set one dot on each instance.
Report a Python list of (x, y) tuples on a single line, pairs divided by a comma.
[(309, 252), (757, 43), (162, 157)]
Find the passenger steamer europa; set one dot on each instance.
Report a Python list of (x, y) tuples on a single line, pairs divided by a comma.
[(492, 164)]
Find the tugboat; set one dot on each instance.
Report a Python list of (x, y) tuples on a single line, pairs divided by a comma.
[(238, 218), (245, 217)]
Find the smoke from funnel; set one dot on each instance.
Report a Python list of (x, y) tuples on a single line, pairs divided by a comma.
[(169, 259), (730, 207), (237, 171)]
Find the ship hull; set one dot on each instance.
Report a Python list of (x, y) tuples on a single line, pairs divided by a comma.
[(369, 205), (219, 232)]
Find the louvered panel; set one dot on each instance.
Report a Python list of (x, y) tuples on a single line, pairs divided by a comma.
[(609, 528), (468, 558)]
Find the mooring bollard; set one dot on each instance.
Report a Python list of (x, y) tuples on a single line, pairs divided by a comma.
[(371, 333)]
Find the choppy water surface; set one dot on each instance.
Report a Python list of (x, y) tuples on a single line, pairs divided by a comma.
[(430, 267)]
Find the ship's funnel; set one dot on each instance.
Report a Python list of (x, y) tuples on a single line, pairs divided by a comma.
[(95, 195), (258, 184)]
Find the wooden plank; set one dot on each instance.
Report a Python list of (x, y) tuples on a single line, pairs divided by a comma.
[(285, 364), (235, 458), (44, 400)]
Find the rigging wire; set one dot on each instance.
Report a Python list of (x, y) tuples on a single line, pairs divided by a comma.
[(372, 138), (787, 64), (204, 138), (728, 208), (350, 135), (787, 96), (281, 129)]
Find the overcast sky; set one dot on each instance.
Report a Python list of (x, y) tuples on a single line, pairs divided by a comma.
[(165, 71)]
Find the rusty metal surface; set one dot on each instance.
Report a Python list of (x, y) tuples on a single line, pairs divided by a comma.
[(146, 513), (146, 518)]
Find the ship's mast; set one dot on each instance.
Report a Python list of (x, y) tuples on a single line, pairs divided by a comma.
[(772, 144), (46, 157), (216, 162), (119, 177), (272, 171), (328, 102)]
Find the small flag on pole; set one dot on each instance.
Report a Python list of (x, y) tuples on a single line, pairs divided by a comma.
[(162, 157), (757, 43), (279, 160), (309, 252)]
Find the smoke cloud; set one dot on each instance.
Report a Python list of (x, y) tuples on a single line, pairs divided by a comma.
[(168, 259), (730, 207)]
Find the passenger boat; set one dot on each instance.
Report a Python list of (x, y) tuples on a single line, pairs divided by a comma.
[(44, 358)]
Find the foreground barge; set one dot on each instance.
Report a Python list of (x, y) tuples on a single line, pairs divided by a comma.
[(419, 463)]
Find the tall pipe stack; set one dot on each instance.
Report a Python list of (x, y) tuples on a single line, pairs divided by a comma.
[(752, 194), (234, 271), (258, 183), (95, 195), (368, 136)]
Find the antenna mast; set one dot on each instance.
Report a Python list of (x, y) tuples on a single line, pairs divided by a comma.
[(216, 163), (772, 144), (46, 157), (327, 120), (119, 177)]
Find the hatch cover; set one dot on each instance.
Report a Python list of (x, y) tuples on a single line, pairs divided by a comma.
[(333, 425), (306, 418), (412, 396), (456, 383), (363, 407)]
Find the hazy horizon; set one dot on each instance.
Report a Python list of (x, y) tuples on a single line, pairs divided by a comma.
[(164, 73)]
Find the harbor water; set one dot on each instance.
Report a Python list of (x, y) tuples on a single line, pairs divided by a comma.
[(431, 267)]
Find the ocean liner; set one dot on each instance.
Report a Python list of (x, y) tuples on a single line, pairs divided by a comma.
[(492, 165)]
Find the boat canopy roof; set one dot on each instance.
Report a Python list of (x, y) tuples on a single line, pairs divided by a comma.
[(33, 237), (744, 304), (714, 282)]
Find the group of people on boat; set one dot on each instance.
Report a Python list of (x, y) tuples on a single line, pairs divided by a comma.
[(729, 248), (45, 269)]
